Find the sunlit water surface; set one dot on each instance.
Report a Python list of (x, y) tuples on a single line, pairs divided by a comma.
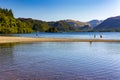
[(60, 61), (85, 35)]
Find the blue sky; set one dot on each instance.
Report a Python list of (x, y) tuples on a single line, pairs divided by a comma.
[(52, 10)]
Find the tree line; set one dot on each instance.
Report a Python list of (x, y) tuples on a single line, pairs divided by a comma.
[(11, 25)]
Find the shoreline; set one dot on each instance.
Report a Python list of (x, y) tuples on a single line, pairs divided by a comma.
[(7, 39)]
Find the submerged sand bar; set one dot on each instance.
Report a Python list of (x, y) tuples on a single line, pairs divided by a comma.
[(7, 39)]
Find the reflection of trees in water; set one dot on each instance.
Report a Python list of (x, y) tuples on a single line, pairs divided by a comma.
[(6, 54), (7, 45)]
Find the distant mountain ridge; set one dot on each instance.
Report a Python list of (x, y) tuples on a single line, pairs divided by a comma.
[(68, 25), (9, 24), (80, 26), (76, 23), (110, 24), (94, 23)]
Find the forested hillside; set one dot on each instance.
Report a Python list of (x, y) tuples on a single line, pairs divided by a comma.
[(8, 24), (11, 25)]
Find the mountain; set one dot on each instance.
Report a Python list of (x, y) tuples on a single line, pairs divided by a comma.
[(78, 25), (94, 23), (70, 25), (9, 24), (110, 24), (61, 26)]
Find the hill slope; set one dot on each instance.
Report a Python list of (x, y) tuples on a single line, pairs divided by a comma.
[(94, 23), (77, 25), (110, 24)]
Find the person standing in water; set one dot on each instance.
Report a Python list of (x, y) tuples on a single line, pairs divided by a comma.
[(100, 36), (36, 33)]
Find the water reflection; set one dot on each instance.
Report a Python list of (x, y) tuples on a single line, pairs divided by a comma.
[(6, 52), (8, 66), (90, 42)]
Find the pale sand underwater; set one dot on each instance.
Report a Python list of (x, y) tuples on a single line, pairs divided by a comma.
[(7, 39)]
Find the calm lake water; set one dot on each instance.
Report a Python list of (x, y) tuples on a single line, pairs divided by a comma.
[(88, 35), (60, 61)]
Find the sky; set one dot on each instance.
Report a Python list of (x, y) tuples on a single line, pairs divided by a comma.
[(54, 10)]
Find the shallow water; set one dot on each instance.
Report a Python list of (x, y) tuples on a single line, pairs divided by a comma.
[(60, 61)]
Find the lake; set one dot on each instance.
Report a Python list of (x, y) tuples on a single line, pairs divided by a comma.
[(61, 60), (86, 35)]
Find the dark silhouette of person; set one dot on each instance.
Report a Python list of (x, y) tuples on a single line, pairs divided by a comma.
[(37, 34), (100, 36)]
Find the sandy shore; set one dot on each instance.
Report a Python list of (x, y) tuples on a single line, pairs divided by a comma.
[(5, 39)]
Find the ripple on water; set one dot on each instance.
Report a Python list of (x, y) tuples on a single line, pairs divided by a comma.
[(60, 61)]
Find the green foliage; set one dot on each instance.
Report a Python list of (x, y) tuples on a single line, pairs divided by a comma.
[(36, 25), (53, 29), (10, 25), (61, 26), (6, 12)]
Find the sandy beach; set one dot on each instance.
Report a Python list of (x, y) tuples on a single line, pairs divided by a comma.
[(7, 39)]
